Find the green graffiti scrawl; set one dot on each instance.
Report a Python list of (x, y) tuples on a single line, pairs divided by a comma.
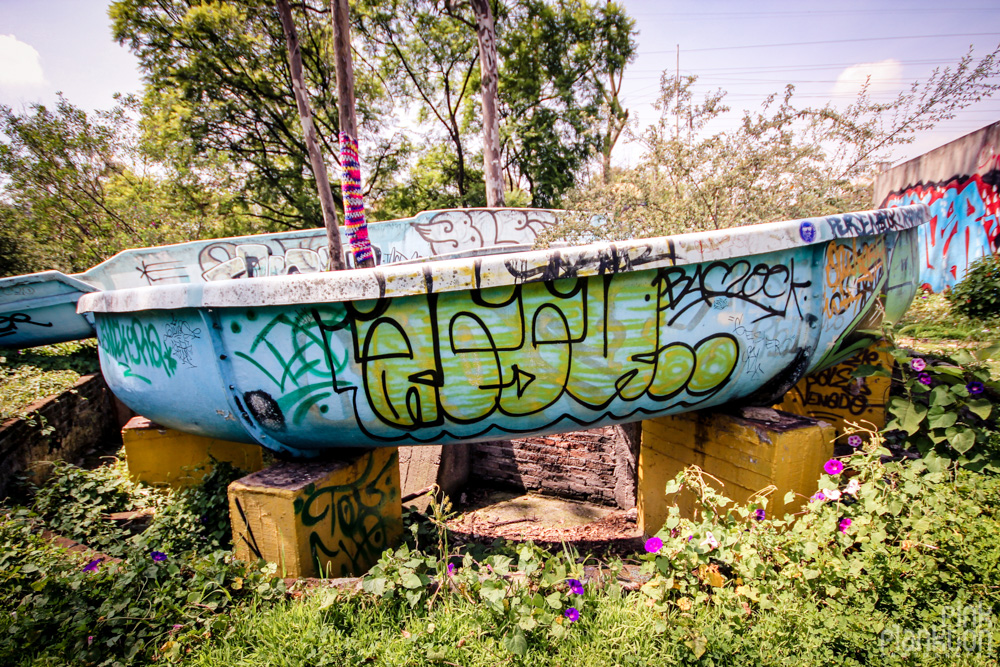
[(304, 376), (137, 344)]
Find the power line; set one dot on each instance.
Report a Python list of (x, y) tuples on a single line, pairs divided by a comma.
[(828, 12), (803, 68), (828, 41)]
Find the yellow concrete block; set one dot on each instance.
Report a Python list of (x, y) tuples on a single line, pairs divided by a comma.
[(162, 456), (835, 396), (746, 453), (329, 518)]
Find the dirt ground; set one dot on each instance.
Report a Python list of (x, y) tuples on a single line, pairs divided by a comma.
[(488, 514)]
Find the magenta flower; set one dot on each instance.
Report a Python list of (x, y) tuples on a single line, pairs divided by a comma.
[(451, 569), (854, 441), (90, 639), (177, 626), (845, 523), (924, 378), (833, 467), (159, 556), (918, 364), (575, 586), (975, 387), (573, 614), (653, 545), (819, 495), (759, 515), (92, 566)]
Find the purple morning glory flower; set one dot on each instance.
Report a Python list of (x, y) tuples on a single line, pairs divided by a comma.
[(833, 467), (573, 614), (924, 378), (451, 569), (854, 441), (975, 387), (653, 545), (575, 586), (845, 523), (918, 364), (760, 515), (159, 556), (92, 566)]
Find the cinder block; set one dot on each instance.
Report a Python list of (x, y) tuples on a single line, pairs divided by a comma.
[(835, 396), (746, 453), (162, 456), (324, 518)]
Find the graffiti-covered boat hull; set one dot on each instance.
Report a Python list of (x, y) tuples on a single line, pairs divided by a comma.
[(501, 345), (40, 308)]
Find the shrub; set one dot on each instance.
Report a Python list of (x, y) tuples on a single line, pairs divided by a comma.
[(943, 407), (978, 295)]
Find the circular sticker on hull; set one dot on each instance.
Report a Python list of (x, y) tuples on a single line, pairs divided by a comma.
[(807, 231)]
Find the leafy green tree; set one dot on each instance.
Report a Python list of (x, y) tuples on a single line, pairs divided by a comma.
[(219, 99), (555, 59), (561, 68), (781, 162), (77, 188)]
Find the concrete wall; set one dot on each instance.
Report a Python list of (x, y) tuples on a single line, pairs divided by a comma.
[(598, 465), (80, 419), (959, 181)]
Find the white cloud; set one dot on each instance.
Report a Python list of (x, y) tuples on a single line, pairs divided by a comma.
[(20, 64), (886, 76)]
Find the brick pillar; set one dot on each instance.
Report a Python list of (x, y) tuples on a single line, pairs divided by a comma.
[(835, 396), (747, 453), (162, 456), (324, 518)]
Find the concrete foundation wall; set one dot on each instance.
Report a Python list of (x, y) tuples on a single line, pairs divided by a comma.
[(62, 427), (960, 181), (598, 465)]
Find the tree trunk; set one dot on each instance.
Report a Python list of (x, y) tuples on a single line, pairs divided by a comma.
[(350, 162), (312, 145), (491, 124)]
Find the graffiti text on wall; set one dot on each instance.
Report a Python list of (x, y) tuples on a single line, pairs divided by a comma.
[(350, 523), (836, 396), (964, 225)]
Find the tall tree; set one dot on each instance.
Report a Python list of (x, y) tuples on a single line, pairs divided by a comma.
[(558, 59), (783, 161), (555, 57), (487, 37), (350, 162), (316, 161), (218, 89), (79, 188)]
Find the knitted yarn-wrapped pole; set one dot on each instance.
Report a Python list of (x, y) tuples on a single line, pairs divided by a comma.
[(354, 204), (354, 207)]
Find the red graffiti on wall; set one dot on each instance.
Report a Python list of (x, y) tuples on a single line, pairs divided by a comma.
[(964, 224)]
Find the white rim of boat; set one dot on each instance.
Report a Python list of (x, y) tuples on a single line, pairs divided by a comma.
[(508, 268)]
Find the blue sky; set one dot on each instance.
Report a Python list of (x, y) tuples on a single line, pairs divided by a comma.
[(749, 49)]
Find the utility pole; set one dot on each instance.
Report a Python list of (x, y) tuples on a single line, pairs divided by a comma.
[(677, 95), (312, 145), (486, 32), (350, 161)]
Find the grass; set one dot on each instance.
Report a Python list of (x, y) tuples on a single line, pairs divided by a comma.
[(930, 318), (336, 628), (351, 629), (29, 375)]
